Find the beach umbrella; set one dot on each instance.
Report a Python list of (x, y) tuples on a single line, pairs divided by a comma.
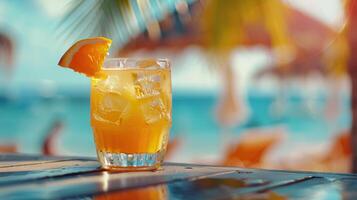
[(301, 43)]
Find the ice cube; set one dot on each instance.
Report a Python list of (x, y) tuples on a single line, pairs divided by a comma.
[(111, 83), (149, 64), (113, 101), (146, 85), (122, 85), (112, 108), (154, 111)]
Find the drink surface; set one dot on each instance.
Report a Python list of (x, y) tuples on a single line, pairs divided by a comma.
[(131, 110)]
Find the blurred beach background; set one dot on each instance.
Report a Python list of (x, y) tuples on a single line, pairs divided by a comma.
[(248, 114)]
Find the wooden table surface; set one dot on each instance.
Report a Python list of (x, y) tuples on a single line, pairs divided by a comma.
[(37, 177)]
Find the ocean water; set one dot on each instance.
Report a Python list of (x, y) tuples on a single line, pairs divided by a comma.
[(26, 122)]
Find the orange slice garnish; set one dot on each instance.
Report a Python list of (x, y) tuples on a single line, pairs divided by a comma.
[(86, 56)]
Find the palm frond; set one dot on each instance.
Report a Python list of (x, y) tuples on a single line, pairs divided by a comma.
[(117, 19)]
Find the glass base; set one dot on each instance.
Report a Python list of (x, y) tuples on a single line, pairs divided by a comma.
[(130, 162)]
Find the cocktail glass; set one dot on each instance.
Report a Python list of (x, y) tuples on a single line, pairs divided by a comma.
[(131, 113)]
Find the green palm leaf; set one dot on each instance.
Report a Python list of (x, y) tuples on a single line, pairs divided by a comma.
[(116, 19)]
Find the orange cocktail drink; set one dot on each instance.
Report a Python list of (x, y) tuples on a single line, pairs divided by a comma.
[(131, 112)]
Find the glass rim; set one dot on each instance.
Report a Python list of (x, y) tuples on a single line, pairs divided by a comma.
[(134, 63)]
